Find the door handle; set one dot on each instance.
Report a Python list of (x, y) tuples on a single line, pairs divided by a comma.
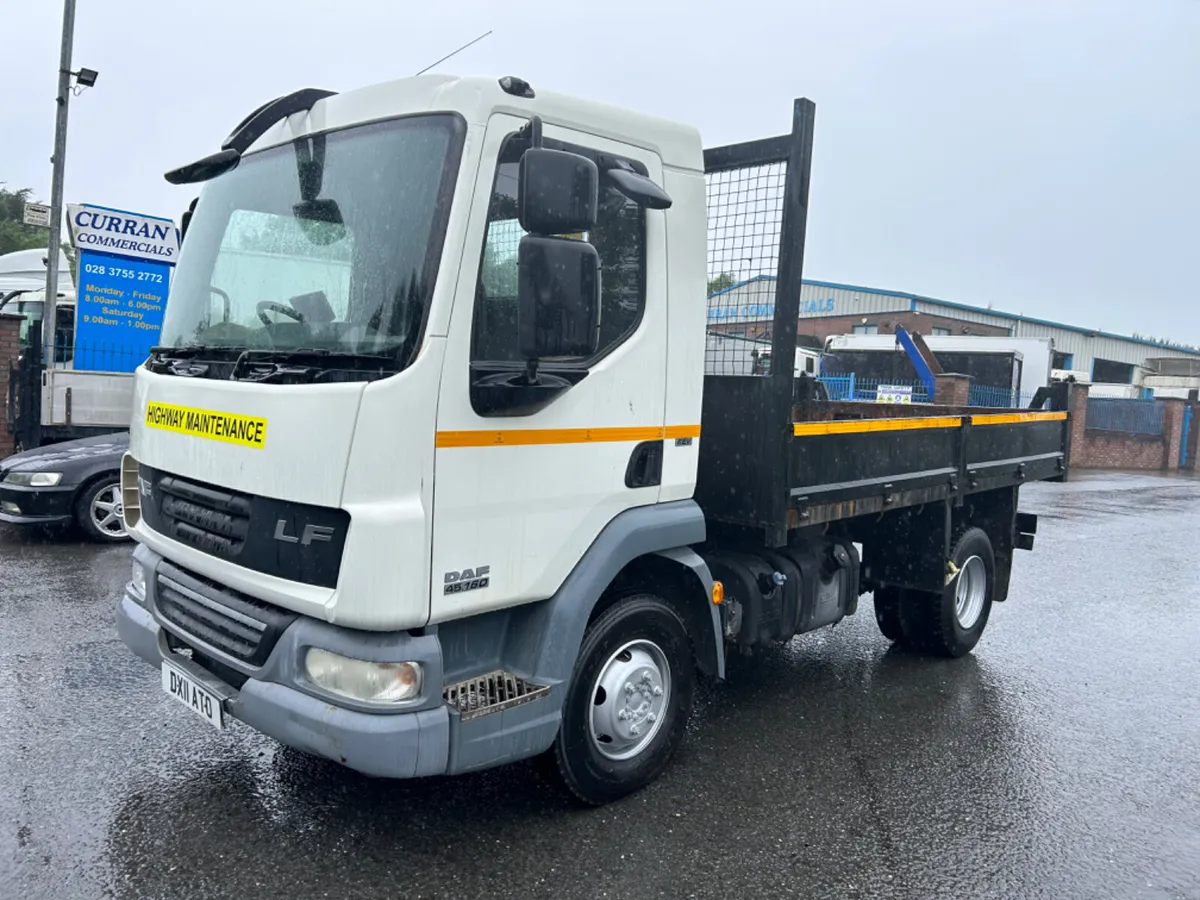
[(645, 465)]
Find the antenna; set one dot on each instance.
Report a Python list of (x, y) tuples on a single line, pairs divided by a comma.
[(459, 50)]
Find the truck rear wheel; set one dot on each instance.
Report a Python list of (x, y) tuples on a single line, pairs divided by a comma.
[(950, 622), (887, 613), (628, 701)]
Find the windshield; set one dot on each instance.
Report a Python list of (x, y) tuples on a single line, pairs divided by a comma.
[(330, 243)]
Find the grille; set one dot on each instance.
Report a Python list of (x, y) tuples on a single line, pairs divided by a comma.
[(491, 693), (211, 519), (212, 616)]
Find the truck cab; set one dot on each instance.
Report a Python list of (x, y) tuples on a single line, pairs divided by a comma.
[(398, 475)]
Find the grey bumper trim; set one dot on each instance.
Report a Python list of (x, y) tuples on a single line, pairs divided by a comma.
[(396, 745)]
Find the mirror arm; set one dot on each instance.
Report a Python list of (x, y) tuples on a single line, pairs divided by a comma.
[(532, 132), (531, 368)]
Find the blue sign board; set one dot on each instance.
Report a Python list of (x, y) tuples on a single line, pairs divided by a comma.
[(124, 275), (119, 311)]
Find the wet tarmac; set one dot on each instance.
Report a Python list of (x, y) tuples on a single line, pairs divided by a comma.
[(1061, 760)]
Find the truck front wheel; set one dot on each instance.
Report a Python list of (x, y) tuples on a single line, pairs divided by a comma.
[(628, 702), (951, 622)]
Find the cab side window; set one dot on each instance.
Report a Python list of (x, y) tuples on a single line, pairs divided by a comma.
[(619, 237)]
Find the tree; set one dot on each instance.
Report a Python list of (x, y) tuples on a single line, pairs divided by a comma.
[(13, 234), (721, 282)]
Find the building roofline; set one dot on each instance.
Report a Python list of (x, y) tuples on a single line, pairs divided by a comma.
[(1000, 314)]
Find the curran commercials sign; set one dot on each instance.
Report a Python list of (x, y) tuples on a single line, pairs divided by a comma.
[(124, 269), (113, 231)]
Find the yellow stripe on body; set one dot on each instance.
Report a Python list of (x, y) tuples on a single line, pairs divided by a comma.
[(1012, 418), (857, 426)]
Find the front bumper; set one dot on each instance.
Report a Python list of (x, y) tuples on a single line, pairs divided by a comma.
[(35, 505), (273, 699)]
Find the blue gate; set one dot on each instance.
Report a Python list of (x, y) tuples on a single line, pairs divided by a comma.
[(1183, 447)]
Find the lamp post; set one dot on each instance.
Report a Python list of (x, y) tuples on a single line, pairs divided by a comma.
[(84, 78)]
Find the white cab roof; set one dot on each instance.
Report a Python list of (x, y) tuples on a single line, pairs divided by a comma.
[(477, 99)]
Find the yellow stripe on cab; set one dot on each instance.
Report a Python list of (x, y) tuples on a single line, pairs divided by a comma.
[(523, 437)]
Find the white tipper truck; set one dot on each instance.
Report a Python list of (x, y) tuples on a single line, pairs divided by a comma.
[(427, 476)]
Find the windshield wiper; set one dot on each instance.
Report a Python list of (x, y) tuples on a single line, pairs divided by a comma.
[(311, 365), (303, 366), (193, 361)]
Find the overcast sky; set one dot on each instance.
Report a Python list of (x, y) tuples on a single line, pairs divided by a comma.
[(1039, 155)]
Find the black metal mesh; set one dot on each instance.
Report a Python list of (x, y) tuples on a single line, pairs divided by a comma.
[(745, 213)]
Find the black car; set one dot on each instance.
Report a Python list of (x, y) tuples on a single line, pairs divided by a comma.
[(74, 481)]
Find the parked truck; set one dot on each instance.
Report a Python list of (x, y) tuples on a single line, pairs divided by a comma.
[(480, 501)]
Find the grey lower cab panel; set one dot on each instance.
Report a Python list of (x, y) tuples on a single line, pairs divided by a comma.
[(513, 733)]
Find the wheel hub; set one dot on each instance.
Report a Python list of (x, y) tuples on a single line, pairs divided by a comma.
[(970, 589), (108, 512), (629, 698)]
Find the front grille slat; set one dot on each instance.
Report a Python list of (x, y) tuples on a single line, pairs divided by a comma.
[(213, 637), (205, 517), (201, 611), (211, 618)]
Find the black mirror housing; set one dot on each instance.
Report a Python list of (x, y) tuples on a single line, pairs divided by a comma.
[(557, 192), (558, 297), (638, 188)]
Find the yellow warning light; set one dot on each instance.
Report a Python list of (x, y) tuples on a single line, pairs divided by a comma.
[(718, 593)]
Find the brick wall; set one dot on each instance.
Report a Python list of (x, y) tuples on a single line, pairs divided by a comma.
[(10, 328), (1116, 450), (1077, 407), (1173, 410), (824, 327), (887, 322), (1092, 448), (951, 389)]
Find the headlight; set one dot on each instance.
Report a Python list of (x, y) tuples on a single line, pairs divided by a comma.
[(34, 479), (137, 581), (370, 682)]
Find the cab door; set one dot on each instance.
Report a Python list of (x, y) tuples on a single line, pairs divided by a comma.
[(522, 490)]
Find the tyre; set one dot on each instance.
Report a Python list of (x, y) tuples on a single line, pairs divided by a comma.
[(98, 511), (950, 622), (628, 702), (887, 614)]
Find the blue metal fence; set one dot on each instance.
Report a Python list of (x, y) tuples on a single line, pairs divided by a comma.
[(1129, 416), (868, 389), (851, 387), (1005, 398), (840, 387)]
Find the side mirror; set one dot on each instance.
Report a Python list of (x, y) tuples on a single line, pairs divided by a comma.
[(557, 192), (637, 187), (558, 297)]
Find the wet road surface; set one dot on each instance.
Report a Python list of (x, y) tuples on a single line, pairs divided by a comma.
[(1062, 759)]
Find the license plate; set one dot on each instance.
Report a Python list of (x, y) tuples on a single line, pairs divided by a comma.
[(187, 691)]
